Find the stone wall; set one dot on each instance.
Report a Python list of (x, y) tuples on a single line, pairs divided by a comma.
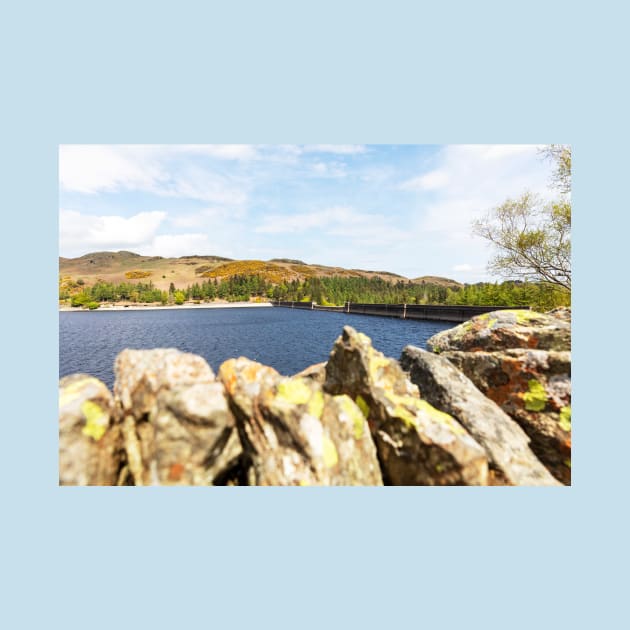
[(488, 405)]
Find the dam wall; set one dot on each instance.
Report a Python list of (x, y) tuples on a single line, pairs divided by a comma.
[(435, 312)]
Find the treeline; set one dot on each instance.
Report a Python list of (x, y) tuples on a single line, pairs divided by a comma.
[(335, 290), (338, 290), (109, 292)]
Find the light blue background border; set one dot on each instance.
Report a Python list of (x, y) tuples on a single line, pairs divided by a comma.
[(312, 72)]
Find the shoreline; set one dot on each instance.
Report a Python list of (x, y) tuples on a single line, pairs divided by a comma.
[(136, 307)]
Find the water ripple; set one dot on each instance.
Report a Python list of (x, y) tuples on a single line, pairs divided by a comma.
[(287, 339)]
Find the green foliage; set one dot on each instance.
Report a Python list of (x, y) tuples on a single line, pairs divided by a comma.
[(92, 305), (80, 299), (560, 155), (327, 291), (532, 238)]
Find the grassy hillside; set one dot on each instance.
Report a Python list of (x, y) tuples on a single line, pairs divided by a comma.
[(442, 282), (123, 266)]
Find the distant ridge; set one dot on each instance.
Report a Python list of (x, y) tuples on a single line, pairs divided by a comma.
[(123, 265), (443, 282)]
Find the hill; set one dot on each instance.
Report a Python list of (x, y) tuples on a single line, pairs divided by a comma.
[(439, 281), (117, 267)]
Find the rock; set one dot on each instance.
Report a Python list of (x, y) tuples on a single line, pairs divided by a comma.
[(500, 330), (243, 380), (142, 374), (534, 388), (317, 372), (505, 443), (196, 442), (295, 434), (177, 426), (90, 444), (416, 443), (561, 312)]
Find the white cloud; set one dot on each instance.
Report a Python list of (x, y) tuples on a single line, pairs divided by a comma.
[(494, 151), (80, 234), (430, 181), (329, 169), (296, 150), (243, 152), (341, 149), (359, 228), (208, 217), (471, 179), (173, 245), (152, 168), (94, 168), (87, 232), (463, 268), (325, 219), (203, 185)]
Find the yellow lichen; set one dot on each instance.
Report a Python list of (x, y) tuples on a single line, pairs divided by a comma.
[(536, 398), (349, 409), (329, 455), (358, 422), (316, 404), (376, 362), (524, 316), (405, 415), (362, 405), (439, 416), (565, 418), (96, 420), (294, 391)]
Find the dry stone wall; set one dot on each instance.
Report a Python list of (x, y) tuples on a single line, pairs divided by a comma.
[(466, 413)]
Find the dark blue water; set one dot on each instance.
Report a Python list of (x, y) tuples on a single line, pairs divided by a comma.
[(287, 339)]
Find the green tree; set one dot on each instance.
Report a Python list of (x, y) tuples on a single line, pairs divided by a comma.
[(560, 155), (179, 297), (532, 238)]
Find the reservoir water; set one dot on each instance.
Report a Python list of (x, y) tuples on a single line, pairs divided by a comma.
[(289, 340)]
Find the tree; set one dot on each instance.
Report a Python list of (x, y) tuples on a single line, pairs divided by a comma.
[(533, 238), (560, 154)]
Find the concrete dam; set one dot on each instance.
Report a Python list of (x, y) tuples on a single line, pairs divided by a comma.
[(404, 311)]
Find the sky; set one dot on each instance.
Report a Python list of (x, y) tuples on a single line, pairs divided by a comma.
[(401, 208)]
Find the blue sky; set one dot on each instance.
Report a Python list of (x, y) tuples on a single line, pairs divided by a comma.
[(400, 208)]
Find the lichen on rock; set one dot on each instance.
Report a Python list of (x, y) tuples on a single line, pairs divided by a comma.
[(531, 386), (295, 434), (505, 443), (416, 443), (503, 329), (177, 425), (90, 443), (357, 419)]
